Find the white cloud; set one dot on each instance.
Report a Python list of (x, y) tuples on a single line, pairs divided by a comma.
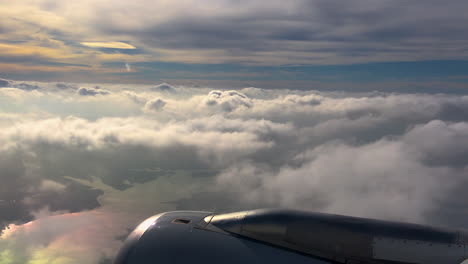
[(381, 180), (155, 104), (227, 101), (108, 44), (392, 156), (48, 185), (91, 91), (163, 87)]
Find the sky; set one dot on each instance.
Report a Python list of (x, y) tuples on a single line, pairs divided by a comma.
[(300, 44), (113, 111)]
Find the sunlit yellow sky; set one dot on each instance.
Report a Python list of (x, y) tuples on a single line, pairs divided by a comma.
[(303, 43)]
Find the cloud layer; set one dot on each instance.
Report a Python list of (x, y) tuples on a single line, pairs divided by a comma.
[(80, 156), (44, 36)]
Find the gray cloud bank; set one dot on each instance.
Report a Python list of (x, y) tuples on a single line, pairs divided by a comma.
[(319, 31), (81, 160), (250, 32)]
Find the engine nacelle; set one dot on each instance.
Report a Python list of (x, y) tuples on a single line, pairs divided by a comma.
[(287, 236)]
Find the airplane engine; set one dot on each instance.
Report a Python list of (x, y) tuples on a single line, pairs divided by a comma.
[(287, 236)]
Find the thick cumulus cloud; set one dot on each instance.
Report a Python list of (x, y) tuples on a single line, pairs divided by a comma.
[(356, 180), (78, 163), (227, 101), (155, 104)]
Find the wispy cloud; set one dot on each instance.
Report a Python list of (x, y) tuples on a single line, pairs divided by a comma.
[(128, 67), (109, 45)]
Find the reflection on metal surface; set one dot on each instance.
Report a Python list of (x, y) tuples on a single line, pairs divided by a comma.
[(141, 228), (133, 238), (230, 216), (208, 219), (230, 222)]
